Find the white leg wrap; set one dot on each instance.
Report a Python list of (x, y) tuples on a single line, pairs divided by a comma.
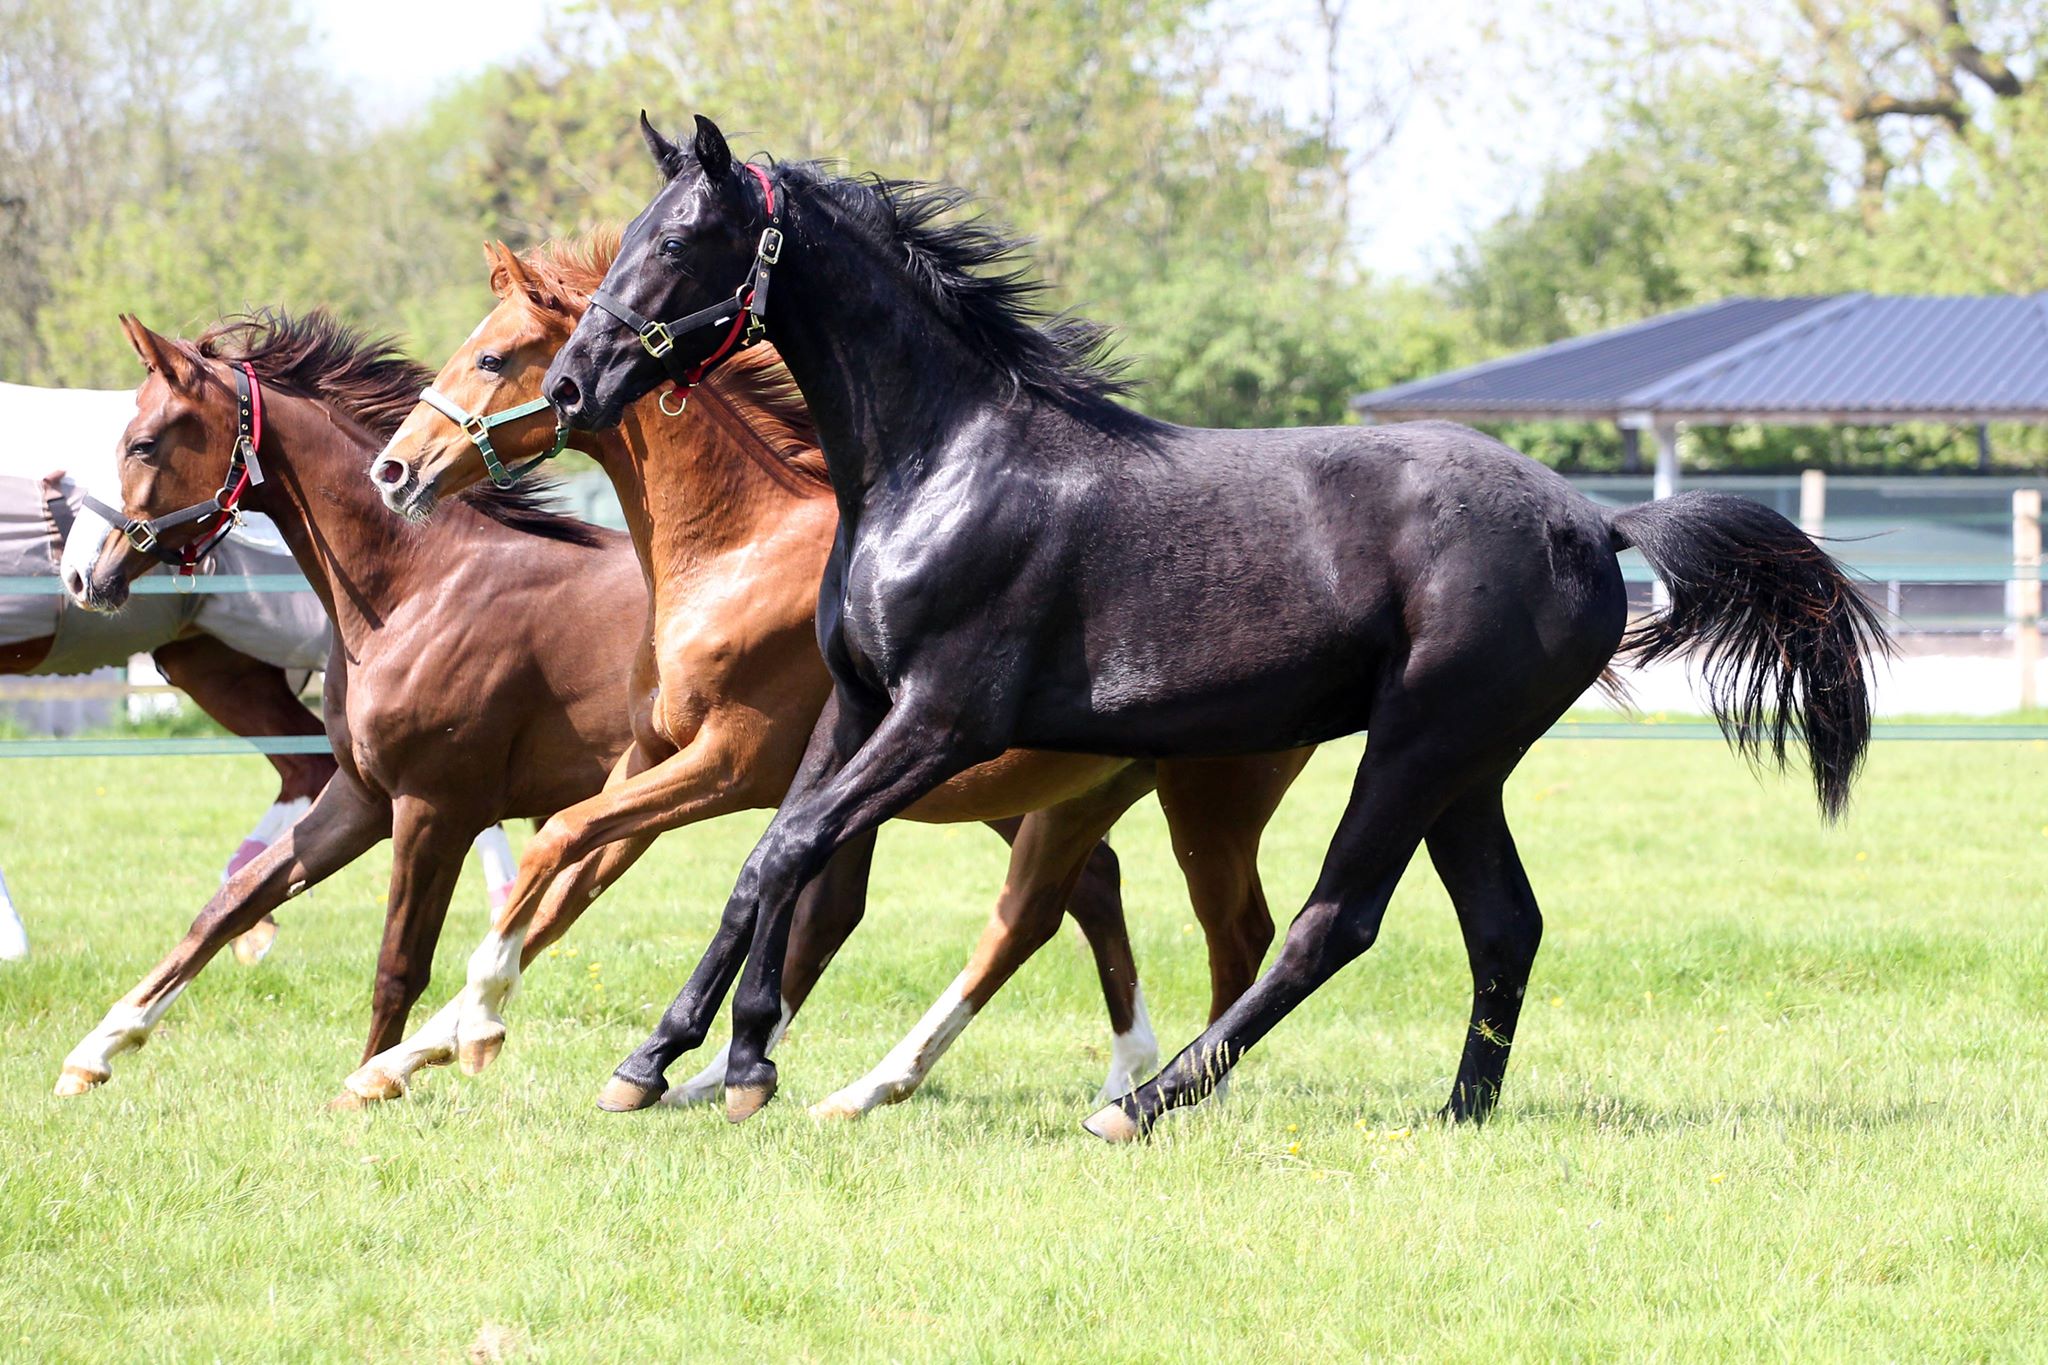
[(897, 1075), (494, 850), (281, 816), (13, 934)]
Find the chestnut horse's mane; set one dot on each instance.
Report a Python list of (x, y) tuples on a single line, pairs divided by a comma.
[(318, 356), (753, 390)]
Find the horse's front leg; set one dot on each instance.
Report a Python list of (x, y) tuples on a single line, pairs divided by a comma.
[(856, 774)]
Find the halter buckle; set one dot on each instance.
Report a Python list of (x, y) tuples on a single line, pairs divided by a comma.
[(477, 429), (140, 536), (770, 249), (658, 340)]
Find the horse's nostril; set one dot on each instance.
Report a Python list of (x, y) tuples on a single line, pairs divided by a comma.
[(388, 473), (74, 582), (565, 393)]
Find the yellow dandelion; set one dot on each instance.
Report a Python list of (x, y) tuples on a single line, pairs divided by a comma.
[(1293, 1127), (1720, 1028), (1861, 856), (1556, 1002), (1717, 1177), (1294, 1149)]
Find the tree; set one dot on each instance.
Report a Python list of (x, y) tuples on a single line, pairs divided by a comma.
[(126, 124)]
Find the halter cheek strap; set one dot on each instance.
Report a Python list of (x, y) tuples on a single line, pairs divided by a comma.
[(219, 515), (743, 316), (478, 428)]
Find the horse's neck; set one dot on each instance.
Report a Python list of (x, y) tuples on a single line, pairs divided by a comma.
[(877, 390), (360, 558), (688, 490)]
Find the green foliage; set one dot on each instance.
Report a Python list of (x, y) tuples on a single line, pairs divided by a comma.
[(1715, 190)]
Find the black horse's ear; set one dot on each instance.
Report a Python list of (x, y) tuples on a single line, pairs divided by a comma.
[(712, 153), (666, 154)]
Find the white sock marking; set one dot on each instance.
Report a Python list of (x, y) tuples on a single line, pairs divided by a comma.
[(899, 1074), (1132, 1055), (126, 1027)]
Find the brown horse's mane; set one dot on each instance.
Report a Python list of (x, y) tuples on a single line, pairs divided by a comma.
[(318, 356), (753, 389)]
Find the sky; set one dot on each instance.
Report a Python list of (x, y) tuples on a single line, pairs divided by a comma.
[(1462, 157)]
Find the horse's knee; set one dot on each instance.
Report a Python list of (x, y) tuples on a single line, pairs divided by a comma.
[(554, 845)]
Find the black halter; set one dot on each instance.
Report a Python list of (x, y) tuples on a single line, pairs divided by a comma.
[(743, 315), (220, 515)]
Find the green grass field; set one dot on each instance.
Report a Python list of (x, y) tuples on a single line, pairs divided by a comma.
[(1779, 1093)]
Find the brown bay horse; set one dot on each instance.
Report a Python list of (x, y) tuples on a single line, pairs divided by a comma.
[(733, 518), (441, 724)]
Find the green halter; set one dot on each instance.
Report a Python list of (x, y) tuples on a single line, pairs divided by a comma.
[(479, 431)]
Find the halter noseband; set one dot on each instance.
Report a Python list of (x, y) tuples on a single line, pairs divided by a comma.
[(221, 514), (743, 315), (477, 426)]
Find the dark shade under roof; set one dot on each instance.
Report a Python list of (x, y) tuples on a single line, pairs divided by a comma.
[(1847, 358)]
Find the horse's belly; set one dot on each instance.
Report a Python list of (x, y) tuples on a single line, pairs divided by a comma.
[(1014, 783)]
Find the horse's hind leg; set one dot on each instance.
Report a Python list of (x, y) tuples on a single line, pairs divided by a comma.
[(1046, 862), (1407, 776), (344, 822), (1475, 856), (1216, 810), (250, 698)]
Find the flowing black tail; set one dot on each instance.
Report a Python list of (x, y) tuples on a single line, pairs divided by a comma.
[(1781, 634)]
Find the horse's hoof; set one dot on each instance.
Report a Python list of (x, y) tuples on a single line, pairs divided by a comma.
[(370, 1085), (833, 1109), (479, 1050), (254, 944), (742, 1102), (621, 1096), (76, 1080), (1112, 1124), (349, 1102)]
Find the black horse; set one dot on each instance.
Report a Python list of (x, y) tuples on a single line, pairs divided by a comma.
[(1024, 563)]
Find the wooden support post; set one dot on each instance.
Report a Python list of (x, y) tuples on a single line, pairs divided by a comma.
[(2026, 587), (1813, 501)]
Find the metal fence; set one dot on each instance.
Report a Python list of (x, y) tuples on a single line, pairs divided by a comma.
[(1939, 551)]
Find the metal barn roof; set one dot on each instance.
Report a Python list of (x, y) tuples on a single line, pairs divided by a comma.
[(1858, 359)]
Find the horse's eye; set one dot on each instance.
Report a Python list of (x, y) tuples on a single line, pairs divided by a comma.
[(671, 246), (493, 363), (142, 448)]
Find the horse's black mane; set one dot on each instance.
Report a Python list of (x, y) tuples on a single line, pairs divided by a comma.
[(980, 280), (319, 356)]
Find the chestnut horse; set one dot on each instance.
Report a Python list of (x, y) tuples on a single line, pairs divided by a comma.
[(732, 514), (442, 722)]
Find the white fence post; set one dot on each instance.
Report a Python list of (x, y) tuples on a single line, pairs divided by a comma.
[(1813, 501)]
